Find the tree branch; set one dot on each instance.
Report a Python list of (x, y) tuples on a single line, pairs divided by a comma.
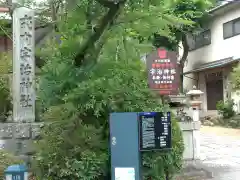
[(95, 36), (99, 46), (88, 14), (95, 53), (108, 3)]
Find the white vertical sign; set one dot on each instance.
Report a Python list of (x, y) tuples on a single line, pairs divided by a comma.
[(124, 174), (8, 177), (26, 176), (23, 65)]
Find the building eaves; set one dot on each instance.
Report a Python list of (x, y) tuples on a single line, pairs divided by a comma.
[(225, 6), (214, 64), (220, 6)]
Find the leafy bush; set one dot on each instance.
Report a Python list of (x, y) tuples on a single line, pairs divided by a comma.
[(5, 102), (155, 164), (226, 109), (77, 100), (5, 99), (7, 159), (234, 122), (75, 144), (235, 77)]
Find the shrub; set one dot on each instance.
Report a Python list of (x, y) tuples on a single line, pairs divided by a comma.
[(234, 122), (77, 101), (226, 109), (154, 164), (7, 159), (235, 77), (5, 99), (82, 153), (5, 102), (75, 144)]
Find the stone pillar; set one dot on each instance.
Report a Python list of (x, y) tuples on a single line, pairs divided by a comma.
[(17, 136), (195, 104), (189, 129), (23, 65)]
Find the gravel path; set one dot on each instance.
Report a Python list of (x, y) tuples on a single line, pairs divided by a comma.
[(220, 152)]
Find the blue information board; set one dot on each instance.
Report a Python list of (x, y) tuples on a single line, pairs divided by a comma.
[(125, 154), (131, 133)]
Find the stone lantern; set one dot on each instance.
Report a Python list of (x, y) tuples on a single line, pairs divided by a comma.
[(195, 102), (191, 129)]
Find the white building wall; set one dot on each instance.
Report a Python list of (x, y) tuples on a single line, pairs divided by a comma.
[(218, 49)]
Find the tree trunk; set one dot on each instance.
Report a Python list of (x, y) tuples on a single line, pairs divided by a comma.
[(183, 60), (181, 79), (106, 21)]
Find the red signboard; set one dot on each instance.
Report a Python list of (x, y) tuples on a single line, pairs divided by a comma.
[(163, 72)]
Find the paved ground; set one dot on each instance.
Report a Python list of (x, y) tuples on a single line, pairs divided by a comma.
[(220, 152), (220, 131)]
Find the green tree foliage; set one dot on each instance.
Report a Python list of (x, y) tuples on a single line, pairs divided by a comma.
[(93, 72), (5, 28), (77, 146), (7, 159), (5, 98), (225, 109), (192, 10)]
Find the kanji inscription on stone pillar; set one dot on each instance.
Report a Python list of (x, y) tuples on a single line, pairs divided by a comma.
[(23, 65)]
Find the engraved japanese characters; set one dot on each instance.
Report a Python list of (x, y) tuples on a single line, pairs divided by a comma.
[(23, 65)]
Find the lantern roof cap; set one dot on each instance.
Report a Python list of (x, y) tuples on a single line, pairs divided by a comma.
[(194, 91)]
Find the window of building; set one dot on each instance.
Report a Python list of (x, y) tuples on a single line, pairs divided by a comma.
[(236, 27), (191, 42), (227, 30), (231, 28), (199, 40)]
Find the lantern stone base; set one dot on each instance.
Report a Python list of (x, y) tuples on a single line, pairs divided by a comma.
[(191, 138)]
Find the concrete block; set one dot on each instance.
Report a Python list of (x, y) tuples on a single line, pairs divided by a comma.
[(26, 147), (36, 130), (6, 130), (9, 145), (190, 126), (22, 131)]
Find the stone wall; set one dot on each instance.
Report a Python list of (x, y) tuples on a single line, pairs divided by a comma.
[(18, 138)]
